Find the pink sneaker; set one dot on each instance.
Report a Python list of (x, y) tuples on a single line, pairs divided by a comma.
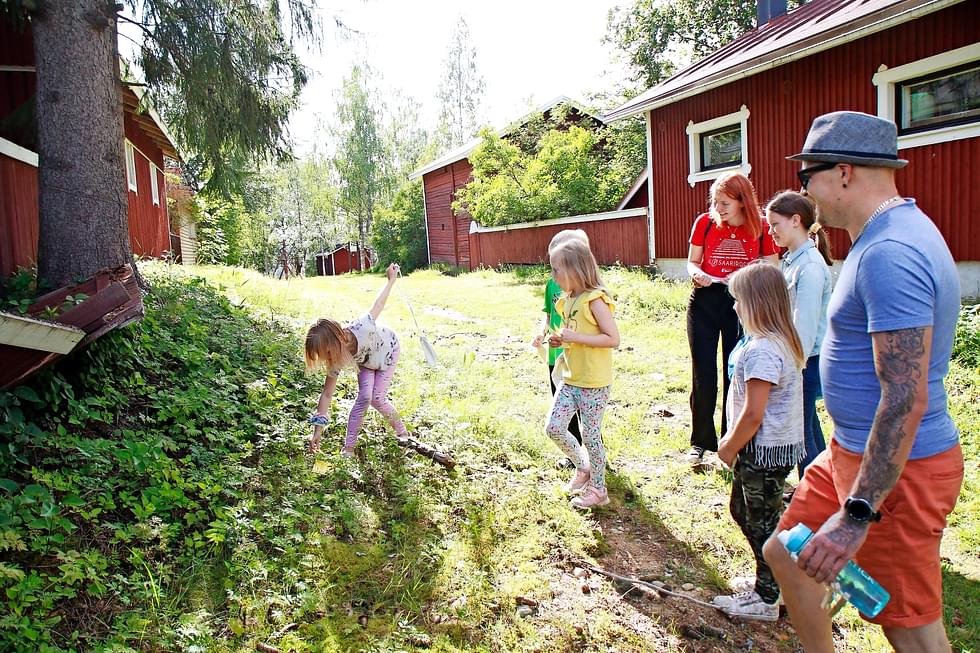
[(591, 497), (579, 481)]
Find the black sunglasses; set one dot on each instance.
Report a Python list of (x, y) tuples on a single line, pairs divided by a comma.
[(804, 174)]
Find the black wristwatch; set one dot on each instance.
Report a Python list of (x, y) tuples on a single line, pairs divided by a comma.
[(861, 510)]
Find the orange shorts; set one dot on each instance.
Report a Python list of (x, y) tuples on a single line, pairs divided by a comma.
[(902, 550)]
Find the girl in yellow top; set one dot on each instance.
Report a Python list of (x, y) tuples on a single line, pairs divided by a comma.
[(588, 336)]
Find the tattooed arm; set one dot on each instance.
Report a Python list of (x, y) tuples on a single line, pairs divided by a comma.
[(902, 367)]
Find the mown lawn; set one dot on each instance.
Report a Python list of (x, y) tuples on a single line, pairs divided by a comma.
[(408, 557)]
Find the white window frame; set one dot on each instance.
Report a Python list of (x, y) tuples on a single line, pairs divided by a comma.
[(154, 190), (131, 168), (887, 78), (694, 132)]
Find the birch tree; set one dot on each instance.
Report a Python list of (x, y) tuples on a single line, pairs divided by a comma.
[(362, 161), (461, 90)]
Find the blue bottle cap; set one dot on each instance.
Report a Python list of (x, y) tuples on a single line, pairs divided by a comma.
[(795, 538)]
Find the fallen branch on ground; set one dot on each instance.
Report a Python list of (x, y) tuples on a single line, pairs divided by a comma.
[(441, 457), (645, 586), (265, 648)]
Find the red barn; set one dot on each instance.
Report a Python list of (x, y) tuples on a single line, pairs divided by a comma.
[(748, 105), (145, 147), (447, 232), (340, 260)]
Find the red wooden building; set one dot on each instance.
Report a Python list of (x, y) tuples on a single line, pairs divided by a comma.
[(619, 237), (447, 233), (145, 146), (340, 260), (750, 104)]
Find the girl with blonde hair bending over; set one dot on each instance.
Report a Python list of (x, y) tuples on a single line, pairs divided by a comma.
[(588, 336), (367, 345), (766, 439)]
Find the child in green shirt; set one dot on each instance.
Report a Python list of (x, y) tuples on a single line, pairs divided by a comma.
[(552, 319)]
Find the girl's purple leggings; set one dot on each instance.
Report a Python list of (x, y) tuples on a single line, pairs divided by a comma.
[(372, 390)]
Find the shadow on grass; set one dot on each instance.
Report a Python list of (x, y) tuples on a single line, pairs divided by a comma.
[(382, 584), (637, 543), (961, 609)]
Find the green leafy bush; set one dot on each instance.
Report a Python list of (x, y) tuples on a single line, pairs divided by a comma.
[(966, 346), (399, 231), (132, 466), (573, 171)]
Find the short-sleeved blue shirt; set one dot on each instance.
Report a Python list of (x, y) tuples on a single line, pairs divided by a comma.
[(899, 275)]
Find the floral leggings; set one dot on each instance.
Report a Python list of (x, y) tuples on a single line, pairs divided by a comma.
[(372, 390), (590, 404)]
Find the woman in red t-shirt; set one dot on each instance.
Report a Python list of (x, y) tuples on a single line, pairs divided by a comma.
[(726, 239)]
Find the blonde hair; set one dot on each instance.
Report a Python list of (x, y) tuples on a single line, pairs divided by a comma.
[(760, 290), (574, 257), (565, 235), (326, 346)]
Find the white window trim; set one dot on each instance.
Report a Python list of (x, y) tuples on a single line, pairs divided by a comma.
[(154, 189), (131, 168), (694, 131), (886, 78)]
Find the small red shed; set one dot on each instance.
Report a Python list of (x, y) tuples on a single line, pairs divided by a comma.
[(340, 260), (146, 145), (447, 232), (748, 105)]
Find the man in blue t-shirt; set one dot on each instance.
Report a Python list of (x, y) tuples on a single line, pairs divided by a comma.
[(882, 491)]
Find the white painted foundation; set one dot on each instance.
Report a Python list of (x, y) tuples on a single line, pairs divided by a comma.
[(676, 268)]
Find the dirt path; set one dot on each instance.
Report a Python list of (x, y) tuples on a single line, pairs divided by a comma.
[(640, 546)]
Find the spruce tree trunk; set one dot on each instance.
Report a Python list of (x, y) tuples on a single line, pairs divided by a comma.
[(81, 173)]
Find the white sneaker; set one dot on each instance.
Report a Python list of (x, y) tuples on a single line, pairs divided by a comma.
[(747, 605), (694, 456)]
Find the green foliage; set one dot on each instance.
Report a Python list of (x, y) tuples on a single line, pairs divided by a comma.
[(656, 38), (127, 466), (399, 231), (226, 77), (572, 172), (362, 158), (17, 292), (212, 223), (966, 346), (21, 289), (155, 495)]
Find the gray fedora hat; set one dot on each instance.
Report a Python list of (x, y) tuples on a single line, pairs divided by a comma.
[(852, 137)]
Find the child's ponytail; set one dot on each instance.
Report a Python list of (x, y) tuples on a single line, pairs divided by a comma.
[(790, 202)]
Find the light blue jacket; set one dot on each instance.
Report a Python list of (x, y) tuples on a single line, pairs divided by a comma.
[(808, 279)]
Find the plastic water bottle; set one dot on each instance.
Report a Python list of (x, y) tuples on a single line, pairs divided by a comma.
[(852, 583)]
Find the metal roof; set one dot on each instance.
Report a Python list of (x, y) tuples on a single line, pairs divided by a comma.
[(464, 150), (817, 25)]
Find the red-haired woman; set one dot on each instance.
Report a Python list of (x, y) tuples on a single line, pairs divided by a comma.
[(727, 238)]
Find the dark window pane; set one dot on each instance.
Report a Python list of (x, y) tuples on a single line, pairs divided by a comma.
[(943, 98), (721, 147)]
